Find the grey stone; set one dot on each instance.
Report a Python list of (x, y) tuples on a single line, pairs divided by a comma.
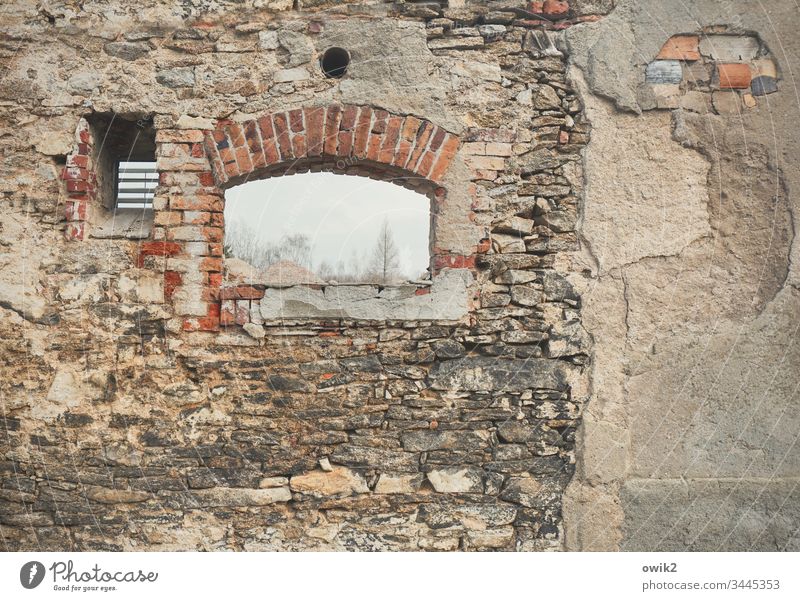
[(298, 45), (178, 77), (128, 51), (763, 85), (429, 440), (484, 374), (664, 71)]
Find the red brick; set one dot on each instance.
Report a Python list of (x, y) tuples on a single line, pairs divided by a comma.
[(345, 143), (210, 323), (282, 135), (734, 76), (437, 139), (242, 313), (425, 163), (197, 202), (296, 120), (254, 144), (349, 114), (379, 125), (78, 160), (453, 261), (75, 173), (555, 7), (75, 230), (445, 156), (227, 313), (78, 185), (172, 279), (332, 121), (682, 48), (390, 139), (299, 146), (157, 248), (231, 169), (268, 138), (211, 264), (362, 132), (206, 179), (423, 134), (213, 234), (241, 292), (314, 130), (374, 147), (76, 210), (243, 160)]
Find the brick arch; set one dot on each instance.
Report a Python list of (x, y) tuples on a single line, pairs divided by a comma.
[(335, 138), (196, 166)]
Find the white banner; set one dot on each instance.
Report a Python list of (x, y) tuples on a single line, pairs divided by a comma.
[(402, 576)]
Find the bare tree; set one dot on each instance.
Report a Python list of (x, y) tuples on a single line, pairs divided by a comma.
[(243, 241), (385, 260)]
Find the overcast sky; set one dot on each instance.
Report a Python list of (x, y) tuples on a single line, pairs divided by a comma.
[(339, 214)]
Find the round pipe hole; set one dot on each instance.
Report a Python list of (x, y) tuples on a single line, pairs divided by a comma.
[(334, 62)]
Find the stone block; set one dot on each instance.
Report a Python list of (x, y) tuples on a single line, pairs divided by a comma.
[(664, 71), (729, 48), (339, 481), (456, 480)]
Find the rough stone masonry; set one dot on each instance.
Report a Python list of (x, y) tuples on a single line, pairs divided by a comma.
[(569, 399)]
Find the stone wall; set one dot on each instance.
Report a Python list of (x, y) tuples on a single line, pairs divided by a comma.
[(619, 371), (147, 406)]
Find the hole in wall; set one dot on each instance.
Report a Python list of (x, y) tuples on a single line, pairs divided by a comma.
[(124, 149), (334, 62)]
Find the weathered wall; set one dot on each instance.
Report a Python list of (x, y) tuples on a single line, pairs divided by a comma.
[(691, 297), (633, 303), (138, 413)]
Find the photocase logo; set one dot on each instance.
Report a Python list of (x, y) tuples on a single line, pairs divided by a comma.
[(31, 574)]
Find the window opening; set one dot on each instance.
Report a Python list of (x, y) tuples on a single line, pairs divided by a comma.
[(325, 228)]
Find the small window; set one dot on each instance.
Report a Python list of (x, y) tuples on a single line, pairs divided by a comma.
[(125, 160), (136, 183), (324, 228)]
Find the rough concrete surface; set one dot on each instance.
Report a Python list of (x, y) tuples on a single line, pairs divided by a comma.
[(690, 438)]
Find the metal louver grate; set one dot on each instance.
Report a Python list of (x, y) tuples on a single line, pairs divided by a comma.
[(136, 184)]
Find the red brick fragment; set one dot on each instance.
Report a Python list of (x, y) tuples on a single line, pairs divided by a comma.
[(681, 48), (555, 7), (734, 76), (281, 124)]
